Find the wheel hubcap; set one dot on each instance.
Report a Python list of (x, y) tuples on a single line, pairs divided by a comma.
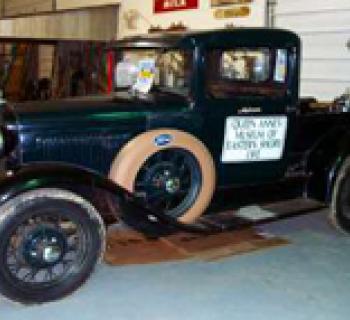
[(169, 181), (172, 185), (44, 247)]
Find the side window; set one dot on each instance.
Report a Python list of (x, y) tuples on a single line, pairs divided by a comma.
[(280, 74), (246, 71), (245, 65)]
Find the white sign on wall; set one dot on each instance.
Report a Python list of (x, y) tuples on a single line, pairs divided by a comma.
[(249, 139)]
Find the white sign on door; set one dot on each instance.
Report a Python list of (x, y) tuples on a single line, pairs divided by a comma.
[(249, 139)]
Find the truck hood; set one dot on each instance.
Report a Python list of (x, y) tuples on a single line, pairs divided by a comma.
[(90, 109)]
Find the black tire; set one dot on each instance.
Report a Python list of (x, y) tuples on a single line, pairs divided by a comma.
[(51, 240), (340, 208), (184, 176)]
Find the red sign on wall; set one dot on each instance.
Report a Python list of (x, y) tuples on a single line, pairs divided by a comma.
[(173, 5)]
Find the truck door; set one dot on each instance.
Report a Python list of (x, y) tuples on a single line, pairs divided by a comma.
[(247, 93)]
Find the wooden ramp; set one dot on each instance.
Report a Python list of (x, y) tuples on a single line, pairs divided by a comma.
[(126, 247)]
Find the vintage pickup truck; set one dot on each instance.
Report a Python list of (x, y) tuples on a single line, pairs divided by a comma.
[(216, 109)]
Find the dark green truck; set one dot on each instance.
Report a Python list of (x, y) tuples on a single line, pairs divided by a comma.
[(217, 109)]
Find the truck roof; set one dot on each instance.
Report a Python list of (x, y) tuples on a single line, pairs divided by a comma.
[(224, 37)]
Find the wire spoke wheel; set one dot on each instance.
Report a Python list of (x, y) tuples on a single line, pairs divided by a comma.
[(45, 248), (51, 240), (169, 181)]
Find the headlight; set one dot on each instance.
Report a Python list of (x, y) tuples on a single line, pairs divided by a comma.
[(8, 141)]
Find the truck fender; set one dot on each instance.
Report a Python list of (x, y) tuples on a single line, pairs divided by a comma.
[(41, 175), (324, 162), (334, 171), (69, 177), (55, 175)]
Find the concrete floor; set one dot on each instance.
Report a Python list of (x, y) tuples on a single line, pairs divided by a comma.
[(308, 279)]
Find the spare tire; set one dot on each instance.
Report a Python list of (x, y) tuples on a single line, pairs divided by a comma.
[(171, 170)]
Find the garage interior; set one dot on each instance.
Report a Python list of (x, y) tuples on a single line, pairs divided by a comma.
[(294, 268)]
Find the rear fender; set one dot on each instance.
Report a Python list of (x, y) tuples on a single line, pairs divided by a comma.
[(333, 173), (324, 162)]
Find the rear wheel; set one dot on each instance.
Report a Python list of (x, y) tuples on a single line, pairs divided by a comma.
[(50, 242), (340, 209)]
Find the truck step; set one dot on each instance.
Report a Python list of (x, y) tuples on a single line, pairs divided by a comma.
[(255, 215)]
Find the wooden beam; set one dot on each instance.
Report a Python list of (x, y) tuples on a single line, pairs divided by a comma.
[(84, 24)]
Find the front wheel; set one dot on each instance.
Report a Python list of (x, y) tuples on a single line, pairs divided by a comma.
[(340, 209), (51, 240)]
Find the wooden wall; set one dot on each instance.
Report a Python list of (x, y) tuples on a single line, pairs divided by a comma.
[(73, 4), (91, 24), (19, 7), (9, 8), (46, 57)]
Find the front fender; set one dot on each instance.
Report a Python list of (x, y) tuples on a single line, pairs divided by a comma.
[(44, 175), (128, 208)]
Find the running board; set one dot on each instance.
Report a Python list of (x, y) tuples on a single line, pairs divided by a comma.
[(257, 215)]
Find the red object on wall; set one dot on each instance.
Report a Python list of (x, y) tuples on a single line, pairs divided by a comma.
[(174, 5), (110, 63)]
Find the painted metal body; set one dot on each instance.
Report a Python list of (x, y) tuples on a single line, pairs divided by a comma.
[(88, 132)]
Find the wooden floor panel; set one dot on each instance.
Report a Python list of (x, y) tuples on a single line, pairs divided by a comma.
[(126, 247)]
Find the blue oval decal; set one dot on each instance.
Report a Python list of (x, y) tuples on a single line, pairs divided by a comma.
[(163, 140)]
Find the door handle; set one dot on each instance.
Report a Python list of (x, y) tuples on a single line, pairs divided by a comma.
[(246, 110), (291, 109)]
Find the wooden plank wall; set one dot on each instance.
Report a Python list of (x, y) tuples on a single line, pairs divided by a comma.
[(46, 56), (74, 4), (20, 7), (91, 24), (9, 8)]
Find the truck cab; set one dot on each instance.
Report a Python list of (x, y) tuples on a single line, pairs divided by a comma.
[(241, 99), (249, 96)]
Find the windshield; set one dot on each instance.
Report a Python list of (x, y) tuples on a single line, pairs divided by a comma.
[(146, 70)]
